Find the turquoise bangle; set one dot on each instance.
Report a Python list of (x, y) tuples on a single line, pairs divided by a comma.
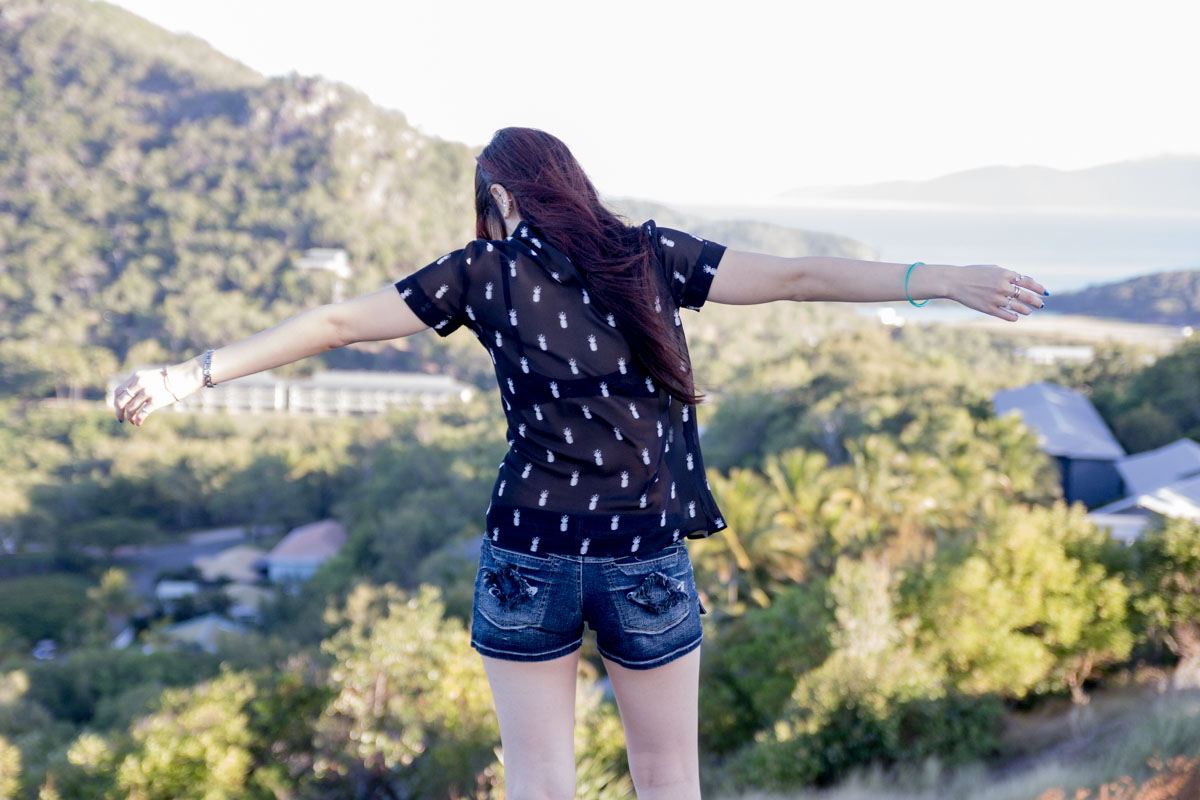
[(906, 294)]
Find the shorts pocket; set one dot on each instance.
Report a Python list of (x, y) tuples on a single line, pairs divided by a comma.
[(512, 589), (652, 595)]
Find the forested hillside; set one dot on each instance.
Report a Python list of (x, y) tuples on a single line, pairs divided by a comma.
[(1166, 298), (155, 196)]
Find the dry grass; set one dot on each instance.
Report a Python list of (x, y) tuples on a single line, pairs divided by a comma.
[(1132, 745)]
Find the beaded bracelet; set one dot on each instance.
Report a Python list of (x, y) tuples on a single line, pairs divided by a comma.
[(208, 381), (906, 294)]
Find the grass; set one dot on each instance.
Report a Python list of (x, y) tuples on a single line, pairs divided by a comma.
[(1129, 735)]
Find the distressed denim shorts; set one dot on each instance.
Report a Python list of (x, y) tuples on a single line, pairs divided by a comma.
[(644, 609)]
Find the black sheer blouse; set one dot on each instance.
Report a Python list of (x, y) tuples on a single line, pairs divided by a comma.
[(601, 461)]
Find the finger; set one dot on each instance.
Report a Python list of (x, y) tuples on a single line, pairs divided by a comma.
[(141, 412), (127, 401), (1030, 284)]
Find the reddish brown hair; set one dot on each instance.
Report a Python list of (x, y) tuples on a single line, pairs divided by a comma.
[(616, 259)]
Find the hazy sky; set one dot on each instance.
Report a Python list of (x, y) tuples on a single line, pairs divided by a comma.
[(737, 101)]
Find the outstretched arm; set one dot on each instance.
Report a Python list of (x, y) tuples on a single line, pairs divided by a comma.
[(371, 317), (744, 278)]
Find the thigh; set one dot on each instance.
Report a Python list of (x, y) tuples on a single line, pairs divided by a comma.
[(658, 711), (535, 704)]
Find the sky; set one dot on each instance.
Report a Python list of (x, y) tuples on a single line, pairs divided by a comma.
[(735, 102)]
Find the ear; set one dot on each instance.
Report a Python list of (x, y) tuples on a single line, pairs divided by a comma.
[(499, 193)]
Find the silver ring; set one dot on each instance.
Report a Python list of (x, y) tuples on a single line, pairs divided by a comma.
[(1008, 306)]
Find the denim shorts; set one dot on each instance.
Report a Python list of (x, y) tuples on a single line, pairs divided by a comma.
[(644, 608)]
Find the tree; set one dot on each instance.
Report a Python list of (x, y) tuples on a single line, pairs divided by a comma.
[(1168, 592)]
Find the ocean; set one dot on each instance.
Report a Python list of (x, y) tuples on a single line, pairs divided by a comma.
[(1064, 250)]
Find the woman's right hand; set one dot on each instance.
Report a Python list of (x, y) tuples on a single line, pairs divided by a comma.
[(988, 287), (148, 390)]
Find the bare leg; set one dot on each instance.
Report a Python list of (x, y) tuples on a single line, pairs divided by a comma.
[(535, 703), (658, 709)]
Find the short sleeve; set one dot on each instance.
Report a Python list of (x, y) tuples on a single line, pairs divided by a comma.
[(689, 263), (437, 292)]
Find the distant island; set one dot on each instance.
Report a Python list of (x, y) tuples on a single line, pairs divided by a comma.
[(1164, 298), (1167, 182)]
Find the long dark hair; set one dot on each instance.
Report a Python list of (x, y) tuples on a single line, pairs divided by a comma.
[(615, 259)]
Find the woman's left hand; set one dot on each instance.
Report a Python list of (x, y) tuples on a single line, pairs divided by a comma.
[(148, 390)]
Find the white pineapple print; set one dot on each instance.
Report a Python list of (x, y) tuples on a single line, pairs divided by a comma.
[(624, 478), (487, 290), (537, 294), (615, 522), (706, 486), (586, 299), (603, 389), (567, 435), (512, 317), (562, 319), (689, 462), (562, 523), (404, 295), (645, 456), (592, 502), (500, 492), (612, 321), (534, 544), (617, 433), (521, 429), (666, 241), (691, 508), (633, 410), (542, 340), (711, 270), (672, 490), (720, 522), (637, 540), (583, 546), (574, 366), (536, 243), (659, 424), (442, 324), (678, 321), (490, 248), (512, 268), (662, 518), (587, 414), (675, 535), (441, 291), (511, 387), (592, 341), (525, 472), (657, 303), (470, 312), (679, 276), (621, 365), (495, 534), (649, 386), (599, 457), (499, 341), (554, 388), (525, 365), (516, 517), (642, 501), (549, 457), (524, 231), (537, 411), (468, 262), (574, 477), (685, 412), (542, 496)]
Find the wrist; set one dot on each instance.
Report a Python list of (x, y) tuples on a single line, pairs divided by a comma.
[(186, 377), (931, 280)]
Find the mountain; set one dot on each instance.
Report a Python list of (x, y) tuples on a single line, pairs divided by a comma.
[(1168, 182), (156, 197), (1167, 298)]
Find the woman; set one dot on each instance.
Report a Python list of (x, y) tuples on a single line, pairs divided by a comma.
[(603, 479)]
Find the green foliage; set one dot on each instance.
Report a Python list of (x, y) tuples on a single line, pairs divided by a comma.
[(1167, 591), (1018, 611), (10, 769), (411, 708), (44, 606)]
